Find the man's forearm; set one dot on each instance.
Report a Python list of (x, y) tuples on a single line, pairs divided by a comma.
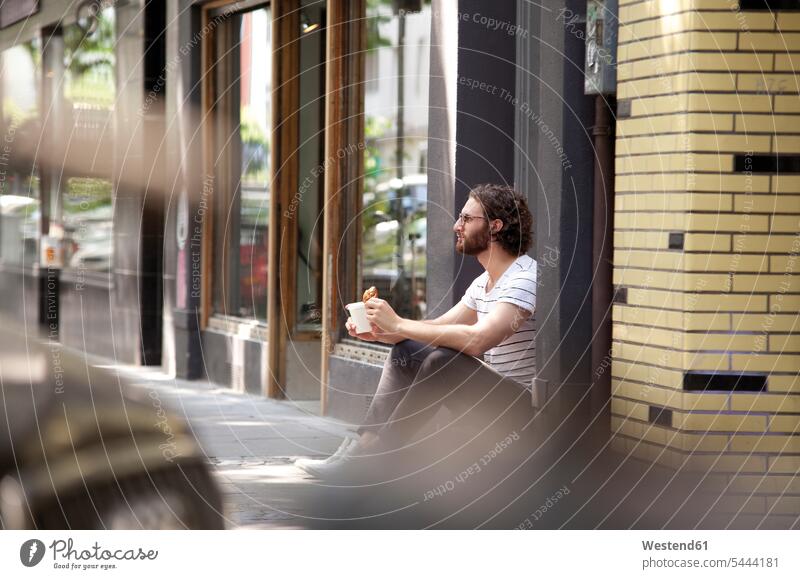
[(461, 337), (392, 339)]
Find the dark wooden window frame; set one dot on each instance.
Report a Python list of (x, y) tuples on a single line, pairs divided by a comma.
[(344, 127)]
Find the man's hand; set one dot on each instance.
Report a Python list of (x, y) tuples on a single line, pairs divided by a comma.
[(376, 335), (381, 314), (366, 336)]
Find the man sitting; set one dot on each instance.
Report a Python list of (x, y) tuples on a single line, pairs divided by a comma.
[(435, 362)]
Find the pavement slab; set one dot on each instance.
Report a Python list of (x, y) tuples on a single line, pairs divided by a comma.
[(251, 443)]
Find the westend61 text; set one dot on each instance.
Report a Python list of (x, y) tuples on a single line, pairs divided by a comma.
[(669, 546)]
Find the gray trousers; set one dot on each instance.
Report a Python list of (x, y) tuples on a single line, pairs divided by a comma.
[(418, 380)]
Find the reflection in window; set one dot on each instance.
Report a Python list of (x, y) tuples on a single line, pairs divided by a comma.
[(20, 196), (393, 257), (310, 189), (86, 188), (241, 79), (87, 218)]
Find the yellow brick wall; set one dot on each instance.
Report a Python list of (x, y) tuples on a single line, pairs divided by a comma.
[(706, 82)]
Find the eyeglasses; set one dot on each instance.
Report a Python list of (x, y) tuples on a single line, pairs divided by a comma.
[(464, 218)]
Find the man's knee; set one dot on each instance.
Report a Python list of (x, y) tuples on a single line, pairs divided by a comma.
[(445, 362), (404, 354), (401, 351)]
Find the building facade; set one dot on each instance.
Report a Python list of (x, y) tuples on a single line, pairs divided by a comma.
[(81, 257), (204, 185), (706, 239)]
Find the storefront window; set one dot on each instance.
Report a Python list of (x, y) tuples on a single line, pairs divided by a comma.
[(311, 152), (393, 256), (86, 137), (241, 77), (20, 195)]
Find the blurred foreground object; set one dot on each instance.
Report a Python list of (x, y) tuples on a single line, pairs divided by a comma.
[(80, 449)]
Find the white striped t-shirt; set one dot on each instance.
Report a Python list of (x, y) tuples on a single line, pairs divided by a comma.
[(515, 357)]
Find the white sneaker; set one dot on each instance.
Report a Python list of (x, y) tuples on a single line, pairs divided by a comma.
[(309, 464)]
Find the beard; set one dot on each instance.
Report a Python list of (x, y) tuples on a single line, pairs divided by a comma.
[(474, 244)]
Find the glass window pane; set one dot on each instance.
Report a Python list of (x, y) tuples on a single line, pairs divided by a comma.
[(393, 257), (310, 191), (242, 107), (20, 194), (87, 217), (89, 93)]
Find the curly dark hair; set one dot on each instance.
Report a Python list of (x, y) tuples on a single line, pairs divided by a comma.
[(510, 206)]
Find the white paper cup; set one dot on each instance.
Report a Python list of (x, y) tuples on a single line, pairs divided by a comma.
[(358, 311)]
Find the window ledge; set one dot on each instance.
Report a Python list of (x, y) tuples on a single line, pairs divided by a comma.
[(358, 351), (248, 329)]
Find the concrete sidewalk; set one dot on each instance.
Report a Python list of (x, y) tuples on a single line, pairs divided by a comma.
[(251, 443)]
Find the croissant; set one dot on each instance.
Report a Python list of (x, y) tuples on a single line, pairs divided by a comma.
[(370, 293)]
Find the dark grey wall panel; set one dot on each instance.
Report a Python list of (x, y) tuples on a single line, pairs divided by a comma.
[(351, 386), (554, 166), (485, 115), (222, 367)]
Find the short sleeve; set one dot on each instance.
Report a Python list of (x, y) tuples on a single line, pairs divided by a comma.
[(470, 296), (520, 291)]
